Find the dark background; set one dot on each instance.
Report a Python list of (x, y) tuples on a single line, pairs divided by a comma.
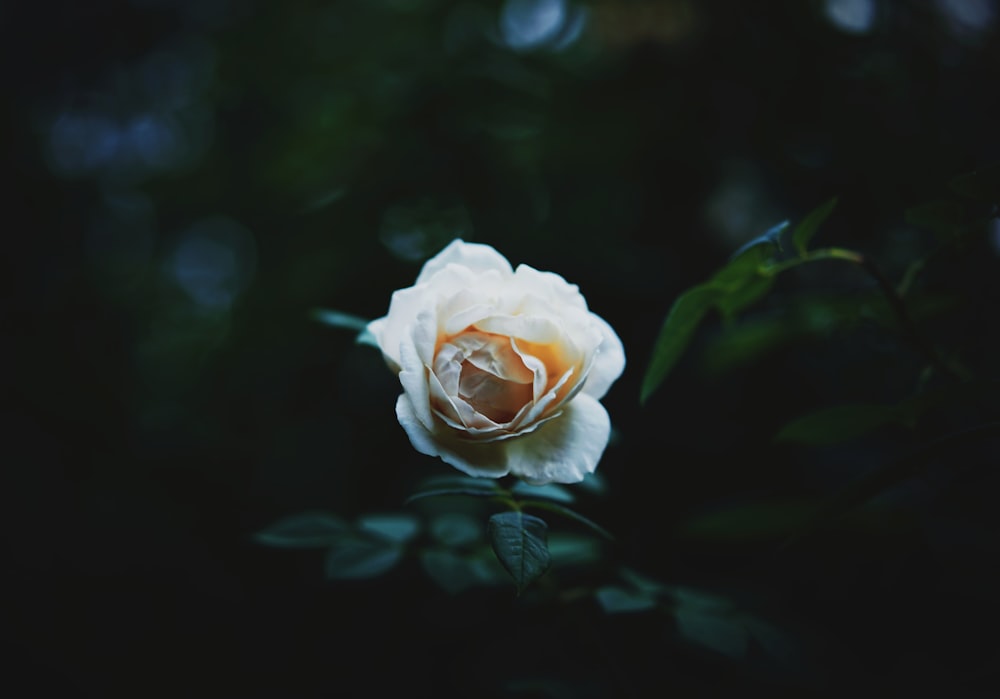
[(188, 180)]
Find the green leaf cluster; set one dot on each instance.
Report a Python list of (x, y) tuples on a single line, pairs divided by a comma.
[(745, 279), (366, 548)]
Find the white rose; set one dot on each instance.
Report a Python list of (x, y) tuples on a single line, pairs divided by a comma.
[(501, 369)]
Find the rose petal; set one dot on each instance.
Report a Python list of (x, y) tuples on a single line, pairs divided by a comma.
[(548, 285), (563, 450), (472, 256), (478, 459), (413, 377), (609, 361)]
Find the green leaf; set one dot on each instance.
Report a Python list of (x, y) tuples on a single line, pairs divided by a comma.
[(455, 529), (456, 573), (744, 264), (804, 232), (519, 542), (550, 491), (571, 514), (456, 485), (743, 296), (437, 492), (982, 184), (573, 549), (840, 423), (771, 239), (615, 599), (398, 528), (355, 557), (676, 333), (306, 530)]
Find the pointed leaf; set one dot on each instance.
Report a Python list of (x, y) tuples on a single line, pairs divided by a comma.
[(306, 530), (519, 542), (676, 333), (356, 557), (804, 232)]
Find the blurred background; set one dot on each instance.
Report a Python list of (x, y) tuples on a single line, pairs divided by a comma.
[(190, 180)]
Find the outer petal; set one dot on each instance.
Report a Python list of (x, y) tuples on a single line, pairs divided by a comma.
[(549, 286), (609, 362), (413, 377), (474, 256), (478, 459), (563, 450)]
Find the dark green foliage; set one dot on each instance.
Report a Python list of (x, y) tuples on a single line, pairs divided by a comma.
[(520, 543)]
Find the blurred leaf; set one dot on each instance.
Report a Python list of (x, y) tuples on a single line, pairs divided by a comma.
[(306, 530), (744, 265), (573, 549), (741, 344), (743, 296), (692, 598), (356, 557), (571, 514), (519, 541), (549, 491), (720, 633), (751, 521), (982, 184), (398, 528), (642, 582), (456, 572), (676, 333), (620, 600), (804, 232), (455, 529), (456, 485), (732, 289), (841, 423)]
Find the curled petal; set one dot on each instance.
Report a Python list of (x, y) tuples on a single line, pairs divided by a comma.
[(478, 459)]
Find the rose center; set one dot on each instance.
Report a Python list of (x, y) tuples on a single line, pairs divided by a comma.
[(490, 395)]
